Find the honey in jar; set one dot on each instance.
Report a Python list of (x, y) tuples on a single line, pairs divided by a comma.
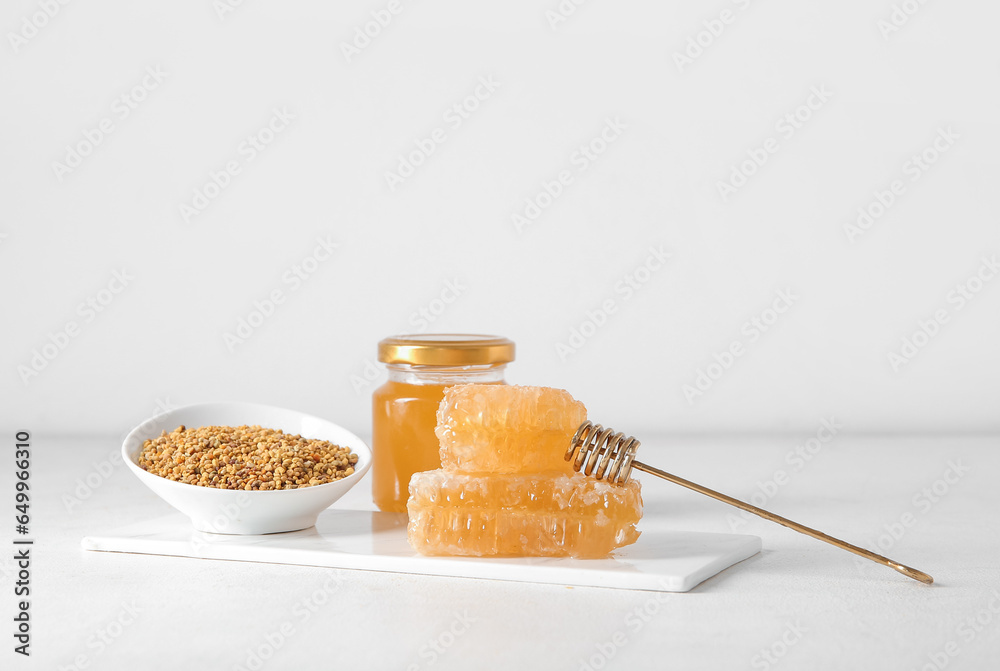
[(404, 409)]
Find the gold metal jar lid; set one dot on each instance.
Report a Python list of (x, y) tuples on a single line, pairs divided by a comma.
[(446, 349)]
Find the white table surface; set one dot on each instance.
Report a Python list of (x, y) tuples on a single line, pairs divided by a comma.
[(804, 603)]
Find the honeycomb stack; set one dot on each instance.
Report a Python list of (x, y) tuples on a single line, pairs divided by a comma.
[(505, 488)]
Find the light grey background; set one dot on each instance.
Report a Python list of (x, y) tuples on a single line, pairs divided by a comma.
[(447, 232)]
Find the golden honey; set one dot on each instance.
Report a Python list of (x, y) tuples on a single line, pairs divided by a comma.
[(403, 440), (404, 409)]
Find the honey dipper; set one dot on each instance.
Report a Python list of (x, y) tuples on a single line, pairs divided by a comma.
[(592, 442)]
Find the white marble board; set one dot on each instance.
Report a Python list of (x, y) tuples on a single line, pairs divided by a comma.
[(661, 560)]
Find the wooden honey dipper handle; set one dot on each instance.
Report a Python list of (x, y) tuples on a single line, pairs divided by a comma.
[(604, 454)]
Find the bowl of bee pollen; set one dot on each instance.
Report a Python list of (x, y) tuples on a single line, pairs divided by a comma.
[(244, 468)]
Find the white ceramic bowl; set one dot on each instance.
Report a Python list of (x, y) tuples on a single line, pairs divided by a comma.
[(228, 511)]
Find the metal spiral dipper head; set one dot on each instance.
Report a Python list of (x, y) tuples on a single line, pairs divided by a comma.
[(602, 453)]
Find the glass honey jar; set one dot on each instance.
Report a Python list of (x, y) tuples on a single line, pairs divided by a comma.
[(404, 409)]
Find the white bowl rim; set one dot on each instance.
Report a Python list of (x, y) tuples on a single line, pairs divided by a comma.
[(352, 478)]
